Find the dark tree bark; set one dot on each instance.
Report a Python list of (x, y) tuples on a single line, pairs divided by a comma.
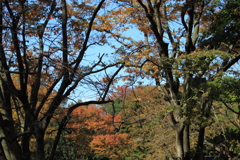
[(199, 148), (24, 71)]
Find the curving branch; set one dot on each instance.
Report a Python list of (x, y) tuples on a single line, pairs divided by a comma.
[(111, 81), (84, 47), (66, 118)]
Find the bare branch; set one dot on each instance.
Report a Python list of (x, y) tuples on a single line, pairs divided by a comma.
[(84, 47)]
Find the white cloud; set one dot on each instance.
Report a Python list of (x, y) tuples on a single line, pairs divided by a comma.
[(86, 99)]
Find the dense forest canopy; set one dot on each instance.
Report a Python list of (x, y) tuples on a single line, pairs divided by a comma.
[(186, 51)]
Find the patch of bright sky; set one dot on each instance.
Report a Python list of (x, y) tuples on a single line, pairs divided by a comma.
[(86, 93)]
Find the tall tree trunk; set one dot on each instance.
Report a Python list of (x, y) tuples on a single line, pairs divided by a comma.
[(179, 140), (11, 148), (199, 150), (186, 142), (25, 147), (8, 152), (9, 144), (2, 155), (39, 133), (206, 108)]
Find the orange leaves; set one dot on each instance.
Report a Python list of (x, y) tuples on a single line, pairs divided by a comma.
[(93, 127), (133, 70), (104, 23), (142, 112), (112, 145), (145, 29), (33, 13), (93, 118), (70, 11), (11, 47), (105, 144), (110, 140)]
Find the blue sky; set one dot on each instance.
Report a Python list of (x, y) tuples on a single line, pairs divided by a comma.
[(84, 93)]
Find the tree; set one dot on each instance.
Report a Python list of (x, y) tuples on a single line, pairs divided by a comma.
[(225, 24), (95, 134), (227, 117), (43, 47), (142, 112), (74, 142), (168, 53)]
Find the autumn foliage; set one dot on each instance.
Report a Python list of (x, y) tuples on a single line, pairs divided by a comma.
[(97, 130), (161, 76)]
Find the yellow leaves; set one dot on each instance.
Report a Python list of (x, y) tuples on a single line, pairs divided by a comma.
[(105, 27), (146, 51), (70, 12), (150, 68), (103, 23), (137, 99), (177, 72), (134, 21)]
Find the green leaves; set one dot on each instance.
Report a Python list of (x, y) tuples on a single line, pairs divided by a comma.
[(224, 31), (225, 85)]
